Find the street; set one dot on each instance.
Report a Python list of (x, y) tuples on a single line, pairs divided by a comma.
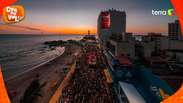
[(88, 84)]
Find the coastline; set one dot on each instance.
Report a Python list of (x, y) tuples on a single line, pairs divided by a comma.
[(35, 67), (47, 72)]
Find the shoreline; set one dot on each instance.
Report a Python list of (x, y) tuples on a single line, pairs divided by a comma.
[(34, 67), (47, 72)]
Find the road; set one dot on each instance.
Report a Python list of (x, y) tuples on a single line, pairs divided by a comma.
[(88, 84)]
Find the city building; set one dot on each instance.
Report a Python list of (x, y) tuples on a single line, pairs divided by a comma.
[(175, 50), (153, 37), (128, 36), (176, 56), (174, 31), (113, 35), (121, 48), (148, 48), (164, 43), (111, 22), (176, 45)]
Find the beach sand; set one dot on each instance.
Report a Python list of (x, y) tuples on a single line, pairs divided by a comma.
[(51, 73)]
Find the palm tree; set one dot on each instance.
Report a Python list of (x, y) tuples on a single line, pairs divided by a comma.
[(32, 93)]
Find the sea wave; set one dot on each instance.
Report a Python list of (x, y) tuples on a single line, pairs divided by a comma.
[(31, 66), (21, 53)]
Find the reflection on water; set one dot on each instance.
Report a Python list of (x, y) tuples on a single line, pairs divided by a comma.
[(19, 53)]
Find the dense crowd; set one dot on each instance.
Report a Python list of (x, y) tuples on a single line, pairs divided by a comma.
[(88, 85)]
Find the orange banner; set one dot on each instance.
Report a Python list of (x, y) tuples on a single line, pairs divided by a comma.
[(4, 3), (178, 96), (175, 98), (178, 6), (3, 92)]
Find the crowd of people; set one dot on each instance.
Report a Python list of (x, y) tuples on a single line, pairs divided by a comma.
[(88, 85)]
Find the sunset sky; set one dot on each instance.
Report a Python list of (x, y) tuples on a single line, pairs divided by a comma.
[(79, 16)]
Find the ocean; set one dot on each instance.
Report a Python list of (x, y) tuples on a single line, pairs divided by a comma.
[(21, 53)]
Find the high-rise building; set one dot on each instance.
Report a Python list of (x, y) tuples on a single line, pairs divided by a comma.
[(174, 31), (117, 21), (111, 22)]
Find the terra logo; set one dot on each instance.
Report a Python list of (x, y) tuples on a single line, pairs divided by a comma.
[(169, 12), (13, 14)]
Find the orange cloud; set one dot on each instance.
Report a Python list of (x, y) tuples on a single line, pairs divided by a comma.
[(23, 28), (72, 30)]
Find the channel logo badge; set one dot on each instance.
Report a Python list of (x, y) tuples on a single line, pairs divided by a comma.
[(170, 12), (13, 14)]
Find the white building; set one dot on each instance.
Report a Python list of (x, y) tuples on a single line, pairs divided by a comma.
[(122, 48)]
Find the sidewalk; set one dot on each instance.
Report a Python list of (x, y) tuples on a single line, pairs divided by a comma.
[(55, 98)]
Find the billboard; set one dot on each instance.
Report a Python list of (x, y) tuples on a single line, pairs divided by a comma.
[(105, 20)]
